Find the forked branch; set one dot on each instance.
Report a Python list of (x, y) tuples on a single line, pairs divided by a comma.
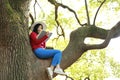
[(111, 34)]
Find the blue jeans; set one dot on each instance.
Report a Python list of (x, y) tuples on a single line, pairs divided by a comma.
[(49, 53)]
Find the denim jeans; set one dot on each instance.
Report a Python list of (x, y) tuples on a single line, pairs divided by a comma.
[(49, 53)]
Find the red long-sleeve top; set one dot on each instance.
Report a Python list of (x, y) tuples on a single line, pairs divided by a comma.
[(37, 43)]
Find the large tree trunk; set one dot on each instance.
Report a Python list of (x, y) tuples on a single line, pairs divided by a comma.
[(15, 50), (17, 61)]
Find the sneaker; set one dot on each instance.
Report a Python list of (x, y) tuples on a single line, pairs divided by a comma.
[(50, 73), (59, 71)]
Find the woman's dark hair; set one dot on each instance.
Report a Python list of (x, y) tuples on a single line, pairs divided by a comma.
[(36, 27)]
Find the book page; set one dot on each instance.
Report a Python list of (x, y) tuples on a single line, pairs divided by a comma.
[(40, 35), (48, 36)]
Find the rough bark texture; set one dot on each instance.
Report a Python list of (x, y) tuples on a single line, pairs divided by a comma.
[(15, 58), (17, 61)]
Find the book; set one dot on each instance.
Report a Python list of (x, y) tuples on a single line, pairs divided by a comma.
[(40, 35)]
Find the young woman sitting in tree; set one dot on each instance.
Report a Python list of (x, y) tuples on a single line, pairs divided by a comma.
[(39, 49)]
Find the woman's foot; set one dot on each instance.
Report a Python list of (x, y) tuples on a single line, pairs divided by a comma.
[(59, 71), (50, 73)]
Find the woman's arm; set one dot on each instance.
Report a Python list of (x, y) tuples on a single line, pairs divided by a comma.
[(42, 33), (37, 41)]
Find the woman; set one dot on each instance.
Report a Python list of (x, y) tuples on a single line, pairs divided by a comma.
[(39, 49)]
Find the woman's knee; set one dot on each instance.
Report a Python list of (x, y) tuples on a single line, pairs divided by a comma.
[(59, 52)]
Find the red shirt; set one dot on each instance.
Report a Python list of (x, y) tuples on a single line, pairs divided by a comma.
[(37, 43)]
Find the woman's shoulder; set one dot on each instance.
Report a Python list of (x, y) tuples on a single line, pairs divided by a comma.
[(33, 33)]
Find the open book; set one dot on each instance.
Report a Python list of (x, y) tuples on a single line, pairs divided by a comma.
[(40, 35)]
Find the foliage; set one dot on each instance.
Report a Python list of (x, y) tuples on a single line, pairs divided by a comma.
[(91, 65), (56, 43), (115, 67)]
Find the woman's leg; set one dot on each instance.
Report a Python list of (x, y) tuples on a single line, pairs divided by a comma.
[(49, 53)]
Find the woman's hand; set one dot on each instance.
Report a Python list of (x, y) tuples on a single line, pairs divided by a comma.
[(38, 34), (47, 33)]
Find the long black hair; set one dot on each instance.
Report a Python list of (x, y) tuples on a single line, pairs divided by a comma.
[(36, 28)]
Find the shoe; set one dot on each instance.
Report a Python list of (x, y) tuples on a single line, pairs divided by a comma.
[(59, 71), (50, 73)]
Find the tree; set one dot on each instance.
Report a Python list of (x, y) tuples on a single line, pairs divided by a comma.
[(17, 59)]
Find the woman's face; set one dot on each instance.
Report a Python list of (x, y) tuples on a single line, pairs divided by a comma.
[(40, 28)]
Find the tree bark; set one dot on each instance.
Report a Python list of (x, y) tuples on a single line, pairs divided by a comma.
[(14, 44)]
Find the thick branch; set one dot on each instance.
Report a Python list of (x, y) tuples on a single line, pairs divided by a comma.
[(76, 46), (115, 30)]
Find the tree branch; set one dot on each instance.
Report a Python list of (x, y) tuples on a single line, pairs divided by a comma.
[(71, 10), (41, 9), (58, 24), (87, 12), (64, 6), (68, 77), (36, 2), (115, 30), (31, 17), (34, 9), (98, 11)]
